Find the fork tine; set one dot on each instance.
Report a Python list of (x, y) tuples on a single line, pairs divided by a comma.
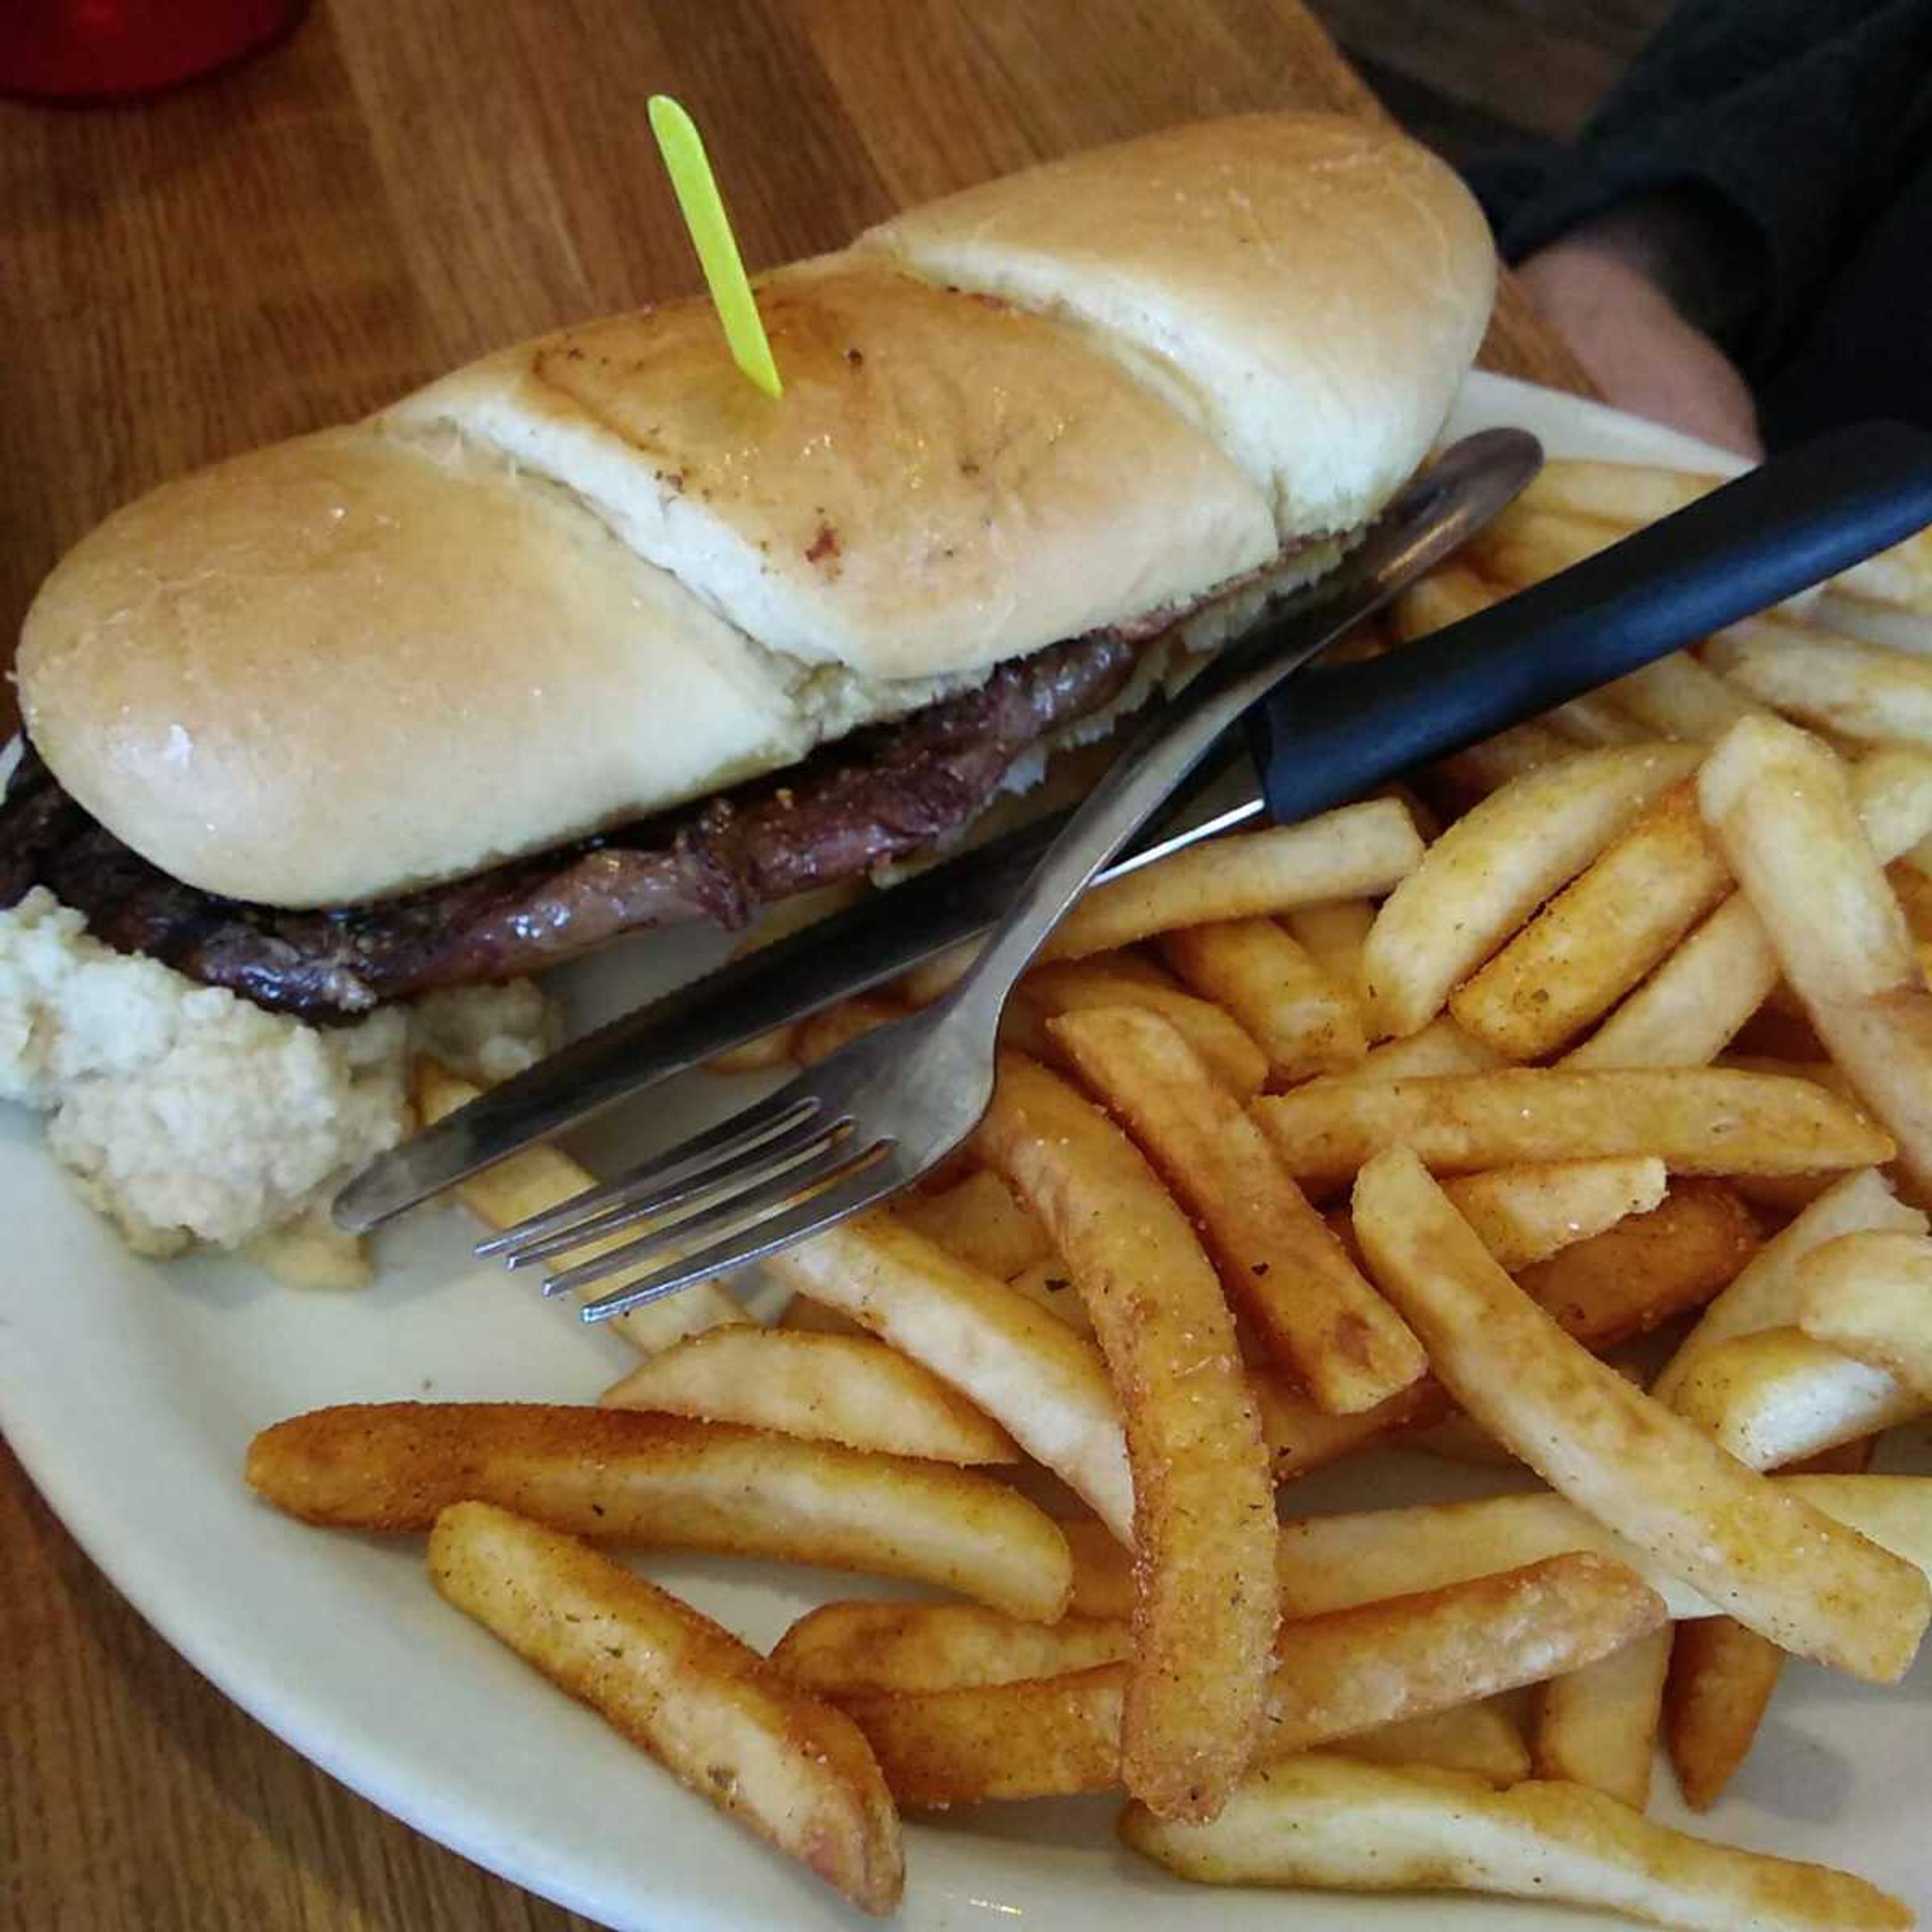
[(743, 1133), (878, 1176), (790, 1145), (764, 1190)]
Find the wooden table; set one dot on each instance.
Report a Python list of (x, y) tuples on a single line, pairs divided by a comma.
[(395, 188)]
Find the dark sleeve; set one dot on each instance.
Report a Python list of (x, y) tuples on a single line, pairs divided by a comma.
[(1784, 123)]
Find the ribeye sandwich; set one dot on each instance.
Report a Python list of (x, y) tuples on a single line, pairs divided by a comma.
[(591, 635)]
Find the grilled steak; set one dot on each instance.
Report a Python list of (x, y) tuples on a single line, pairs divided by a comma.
[(878, 796)]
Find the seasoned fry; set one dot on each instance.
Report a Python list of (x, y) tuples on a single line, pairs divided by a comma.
[(1526, 1214), (821, 1388), (1336, 1676), (1278, 1261), (858, 1648), (1677, 697), (1334, 934), (1302, 1436), (1774, 1396), (1787, 1570), (1304, 1019), (1870, 1296), (618, 1476), (1481, 1738), (793, 1769), (1491, 869), (1512, 754), (1598, 1725), (1722, 1676), (1780, 806), (1333, 1562), (1599, 936), (1103, 1571), (1835, 683), (1050, 1283), (1766, 1294), (1073, 986), (1204, 1505), (1360, 849), (544, 1177), (982, 1221), (1033, 1376), (1442, 1047), (1696, 1120), (1332, 1822)]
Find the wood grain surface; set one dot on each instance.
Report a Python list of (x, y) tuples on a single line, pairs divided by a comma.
[(393, 188)]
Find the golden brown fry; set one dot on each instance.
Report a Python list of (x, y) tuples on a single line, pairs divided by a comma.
[(1481, 1738), (1448, 594), (982, 1221), (1781, 806), (861, 1648), (544, 1177), (821, 1035), (1050, 1283), (1332, 1822), (1775, 1396), (1044, 1384), (1832, 683), (1103, 1571), (1279, 1263), (1120, 979), (1491, 869), (1598, 1725), (1765, 1293), (1442, 1047), (778, 1048), (806, 1316), (620, 1476), (1596, 721), (1360, 849), (793, 1769), (1204, 1505), (1870, 1296), (1525, 1214), (1515, 753), (1722, 1676), (1304, 1020), (1677, 697), (1599, 936), (822, 1388), (1333, 934), (1787, 1570), (1622, 494), (1696, 1120)]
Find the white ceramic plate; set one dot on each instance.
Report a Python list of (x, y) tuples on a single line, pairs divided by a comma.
[(129, 1391)]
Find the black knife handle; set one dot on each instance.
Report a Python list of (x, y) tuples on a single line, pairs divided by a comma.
[(1801, 517)]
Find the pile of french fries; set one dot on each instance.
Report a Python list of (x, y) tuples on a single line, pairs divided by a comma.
[(1403, 1128)]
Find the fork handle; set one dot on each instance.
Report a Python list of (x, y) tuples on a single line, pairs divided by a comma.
[(1471, 482)]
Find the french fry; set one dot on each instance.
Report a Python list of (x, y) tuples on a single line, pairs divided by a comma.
[(1596, 721), (861, 1648), (821, 1388), (1897, 626), (731, 1727), (1775, 1396), (982, 1222), (1301, 1436), (1342, 854), (1491, 869), (1765, 1293), (778, 922), (1598, 936), (1334, 1562), (1489, 765), (1526, 1214), (1448, 594), (618, 1476), (1625, 493), (1204, 1505), (1870, 1296), (1597, 1725), (1481, 1738), (821, 1035), (1103, 1571), (1691, 1007), (1696, 1120), (1833, 683), (1780, 806), (1525, 545), (1050, 1283), (1043, 1383), (1333, 934), (778, 1048), (1719, 1686), (1442, 1047), (1332, 1822), (1223, 1044), (1336, 1676), (1790, 1572), (1304, 1019), (1278, 1262), (802, 1315), (1677, 697), (544, 1177)]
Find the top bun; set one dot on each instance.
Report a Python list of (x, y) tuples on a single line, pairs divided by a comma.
[(599, 574)]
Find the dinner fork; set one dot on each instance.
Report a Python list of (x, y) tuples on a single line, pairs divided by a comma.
[(873, 1117)]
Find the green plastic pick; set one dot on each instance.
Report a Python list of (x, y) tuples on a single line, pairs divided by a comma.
[(703, 209)]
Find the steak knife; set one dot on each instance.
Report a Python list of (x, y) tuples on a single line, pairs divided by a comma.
[(1326, 736)]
